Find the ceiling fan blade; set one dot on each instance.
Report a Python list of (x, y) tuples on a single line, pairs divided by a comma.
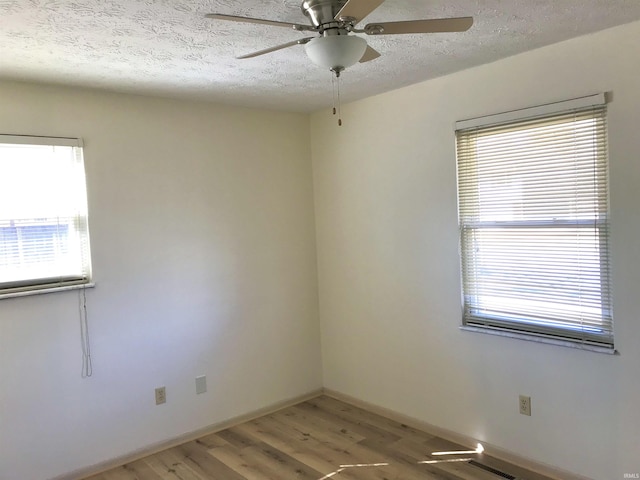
[(358, 9), (369, 54), (436, 25), (301, 41), (234, 18)]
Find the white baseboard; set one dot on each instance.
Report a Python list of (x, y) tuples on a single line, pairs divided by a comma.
[(187, 437), (468, 442)]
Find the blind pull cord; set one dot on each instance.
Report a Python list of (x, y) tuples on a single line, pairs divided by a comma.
[(87, 365)]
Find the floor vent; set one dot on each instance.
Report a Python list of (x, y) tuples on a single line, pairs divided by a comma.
[(492, 470)]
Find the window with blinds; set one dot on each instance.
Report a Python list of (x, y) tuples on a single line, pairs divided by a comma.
[(44, 237), (534, 224)]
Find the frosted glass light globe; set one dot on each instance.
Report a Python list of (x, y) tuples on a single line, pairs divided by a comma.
[(336, 52)]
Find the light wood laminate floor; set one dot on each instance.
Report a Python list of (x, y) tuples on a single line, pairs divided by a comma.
[(320, 439)]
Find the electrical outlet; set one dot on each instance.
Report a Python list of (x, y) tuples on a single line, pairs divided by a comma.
[(161, 395), (525, 405), (201, 384)]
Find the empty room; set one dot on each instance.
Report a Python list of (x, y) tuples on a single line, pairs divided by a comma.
[(359, 239)]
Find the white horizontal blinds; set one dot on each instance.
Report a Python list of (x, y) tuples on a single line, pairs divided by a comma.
[(43, 213), (533, 205)]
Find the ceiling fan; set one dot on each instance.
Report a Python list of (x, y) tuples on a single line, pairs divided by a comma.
[(336, 47)]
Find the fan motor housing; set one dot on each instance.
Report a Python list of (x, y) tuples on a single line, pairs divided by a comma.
[(321, 12)]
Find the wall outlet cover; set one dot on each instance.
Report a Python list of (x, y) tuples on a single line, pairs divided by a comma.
[(525, 405), (201, 384), (161, 395)]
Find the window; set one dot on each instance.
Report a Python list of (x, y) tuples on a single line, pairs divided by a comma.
[(44, 238), (533, 212)]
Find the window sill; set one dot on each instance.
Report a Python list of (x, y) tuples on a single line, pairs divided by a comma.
[(38, 291), (539, 339)]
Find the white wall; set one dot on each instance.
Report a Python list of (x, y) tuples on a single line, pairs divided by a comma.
[(390, 295), (203, 240)]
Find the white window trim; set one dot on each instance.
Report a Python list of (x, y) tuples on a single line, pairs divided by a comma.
[(51, 287), (596, 100)]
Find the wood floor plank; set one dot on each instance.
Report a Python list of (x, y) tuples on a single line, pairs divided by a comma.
[(116, 474), (417, 452), (282, 465), (366, 430), (321, 439), (425, 449), (434, 445), (197, 457), (237, 438), (409, 461), (310, 419), (404, 431), (141, 471), (170, 465), (306, 449), (213, 440), (341, 451), (239, 461), (137, 470), (319, 428), (324, 447)]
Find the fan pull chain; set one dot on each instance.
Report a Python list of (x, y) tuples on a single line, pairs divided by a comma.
[(335, 83), (333, 87), (339, 103)]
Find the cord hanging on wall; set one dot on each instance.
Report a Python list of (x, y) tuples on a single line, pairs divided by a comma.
[(87, 365)]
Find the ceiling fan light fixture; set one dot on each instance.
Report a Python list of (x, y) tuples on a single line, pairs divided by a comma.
[(336, 52)]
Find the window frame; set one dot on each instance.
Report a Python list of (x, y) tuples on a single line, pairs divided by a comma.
[(78, 223), (565, 336)]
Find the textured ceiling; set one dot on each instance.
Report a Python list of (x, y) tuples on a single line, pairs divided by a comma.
[(168, 48)]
